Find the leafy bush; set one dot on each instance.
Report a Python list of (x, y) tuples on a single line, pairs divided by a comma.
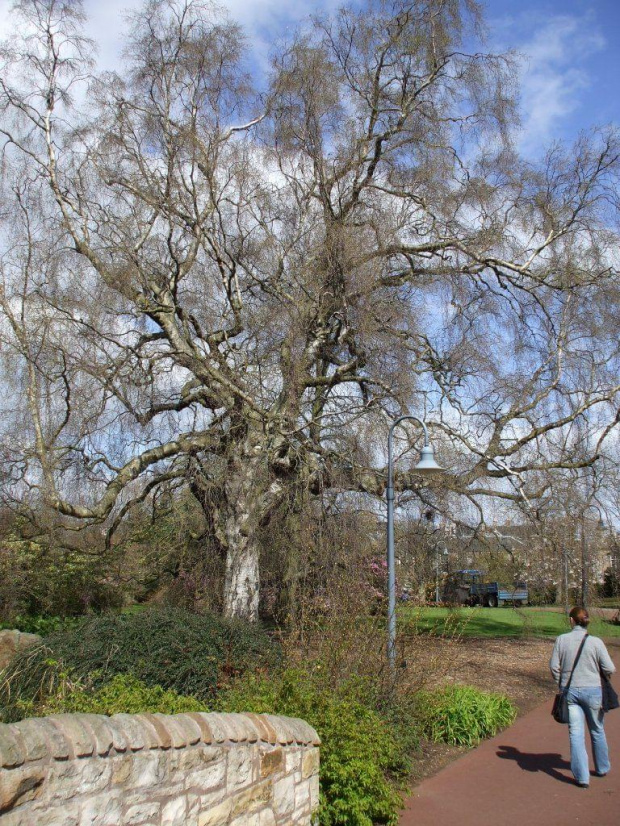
[(42, 625), (123, 694), (188, 653), (462, 715), (40, 579), (361, 762)]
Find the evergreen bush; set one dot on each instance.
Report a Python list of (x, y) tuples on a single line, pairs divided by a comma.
[(188, 653)]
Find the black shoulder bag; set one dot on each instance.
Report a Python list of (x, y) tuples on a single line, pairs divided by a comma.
[(559, 712), (610, 698)]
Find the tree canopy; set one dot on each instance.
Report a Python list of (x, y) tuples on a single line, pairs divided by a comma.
[(234, 283)]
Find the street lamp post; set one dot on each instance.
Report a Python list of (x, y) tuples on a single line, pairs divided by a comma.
[(427, 466), (585, 574), (566, 582)]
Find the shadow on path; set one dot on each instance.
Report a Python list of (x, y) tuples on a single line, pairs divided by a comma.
[(547, 763)]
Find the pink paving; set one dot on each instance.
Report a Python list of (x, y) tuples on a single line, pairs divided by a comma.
[(522, 776)]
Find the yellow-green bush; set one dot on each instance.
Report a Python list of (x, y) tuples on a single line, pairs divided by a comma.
[(462, 715), (362, 766), (123, 694)]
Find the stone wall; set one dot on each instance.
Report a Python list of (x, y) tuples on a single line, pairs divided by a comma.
[(158, 770)]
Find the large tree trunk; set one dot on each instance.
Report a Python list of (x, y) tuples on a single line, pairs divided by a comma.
[(250, 497), (242, 583)]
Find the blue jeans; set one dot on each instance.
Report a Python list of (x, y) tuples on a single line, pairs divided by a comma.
[(584, 704)]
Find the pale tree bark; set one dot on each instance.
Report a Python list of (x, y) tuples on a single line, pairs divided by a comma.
[(238, 291)]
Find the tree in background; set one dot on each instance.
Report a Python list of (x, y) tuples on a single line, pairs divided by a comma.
[(234, 291)]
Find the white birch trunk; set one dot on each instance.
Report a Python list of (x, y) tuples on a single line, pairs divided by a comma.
[(249, 497), (241, 588)]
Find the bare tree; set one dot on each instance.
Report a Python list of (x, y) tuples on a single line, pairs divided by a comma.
[(236, 291)]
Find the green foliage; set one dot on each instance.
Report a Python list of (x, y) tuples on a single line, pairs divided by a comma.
[(611, 584), (122, 694), (544, 593), (39, 624), (39, 579), (188, 653), (462, 715), (361, 761)]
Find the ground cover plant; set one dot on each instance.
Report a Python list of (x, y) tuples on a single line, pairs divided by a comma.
[(498, 622)]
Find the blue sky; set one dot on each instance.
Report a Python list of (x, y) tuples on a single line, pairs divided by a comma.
[(571, 63), (570, 52)]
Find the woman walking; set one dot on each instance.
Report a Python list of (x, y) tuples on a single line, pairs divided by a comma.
[(584, 694)]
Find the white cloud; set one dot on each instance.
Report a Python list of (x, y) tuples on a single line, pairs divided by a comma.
[(555, 49), (264, 21), (553, 82), (554, 77), (106, 25)]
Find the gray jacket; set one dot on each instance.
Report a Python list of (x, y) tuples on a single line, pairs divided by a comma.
[(594, 654)]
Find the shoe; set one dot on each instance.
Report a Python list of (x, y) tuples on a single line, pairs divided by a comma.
[(583, 785), (600, 774)]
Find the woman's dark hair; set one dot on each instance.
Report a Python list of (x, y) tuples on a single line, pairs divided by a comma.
[(580, 616)]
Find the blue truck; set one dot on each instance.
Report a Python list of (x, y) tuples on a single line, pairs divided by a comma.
[(468, 587)]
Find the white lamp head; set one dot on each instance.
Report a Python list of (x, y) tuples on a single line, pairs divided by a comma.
[(427, 466)]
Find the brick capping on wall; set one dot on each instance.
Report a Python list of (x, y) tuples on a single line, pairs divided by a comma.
[(193, 769)]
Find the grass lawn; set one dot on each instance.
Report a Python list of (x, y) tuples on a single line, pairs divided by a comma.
[(496, 622)]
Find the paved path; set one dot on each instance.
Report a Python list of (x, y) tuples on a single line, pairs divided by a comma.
[(522, 776)]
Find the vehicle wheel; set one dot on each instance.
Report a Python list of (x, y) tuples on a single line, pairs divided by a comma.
[(493, 601)]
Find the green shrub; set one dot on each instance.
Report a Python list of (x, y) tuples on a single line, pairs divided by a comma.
[(361, 764), (39, 579), (188, 653), (42, 625), (124, 694), (462, 715)]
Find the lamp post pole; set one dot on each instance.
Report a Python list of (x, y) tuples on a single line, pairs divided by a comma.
[(585, 573), (426, 466), (566, 583)]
